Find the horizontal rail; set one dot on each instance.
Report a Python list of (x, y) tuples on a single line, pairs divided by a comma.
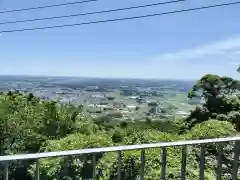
[(114, 149)]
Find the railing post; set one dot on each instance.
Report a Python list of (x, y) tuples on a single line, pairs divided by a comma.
[(183, 163), (119, 165), (235, 160), (219, 163), (37, 175), (142, 164), (6, 170), (202, 161), (164, 163), (94, 166)]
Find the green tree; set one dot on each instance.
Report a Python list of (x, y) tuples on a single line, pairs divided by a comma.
[(218, 93), (211, 87), (26, 123)]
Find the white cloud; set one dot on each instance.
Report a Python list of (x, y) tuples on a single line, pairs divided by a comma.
[(222, 50), (220, 57)]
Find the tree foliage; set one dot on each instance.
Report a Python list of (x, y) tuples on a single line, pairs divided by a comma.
[(26, 122), (221, 96)]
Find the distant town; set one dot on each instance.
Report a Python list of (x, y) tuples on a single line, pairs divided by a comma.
[(121, 99)]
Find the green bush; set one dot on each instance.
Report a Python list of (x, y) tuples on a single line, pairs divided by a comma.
[(212, 129), (72, 167)]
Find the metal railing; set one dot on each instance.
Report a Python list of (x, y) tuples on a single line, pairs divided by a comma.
[(142, 147)]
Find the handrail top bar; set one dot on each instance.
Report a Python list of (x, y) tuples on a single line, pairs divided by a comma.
[(113, 149)]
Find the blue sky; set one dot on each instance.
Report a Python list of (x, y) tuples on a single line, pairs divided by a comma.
[(180, 46)]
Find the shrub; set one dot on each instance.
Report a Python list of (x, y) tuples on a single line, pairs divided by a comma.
[(74, 167), (212, 129)]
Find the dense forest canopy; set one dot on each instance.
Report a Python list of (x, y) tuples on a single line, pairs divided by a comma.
[(29, 124)]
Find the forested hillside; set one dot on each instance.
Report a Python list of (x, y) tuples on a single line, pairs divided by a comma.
[(29, 124)]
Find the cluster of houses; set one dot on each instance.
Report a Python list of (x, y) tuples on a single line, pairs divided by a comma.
[(137, 99)]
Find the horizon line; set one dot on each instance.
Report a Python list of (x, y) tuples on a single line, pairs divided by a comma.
[(95, 77)]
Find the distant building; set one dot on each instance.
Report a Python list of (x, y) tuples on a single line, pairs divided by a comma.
[(133, 97), (141, 100), (102, 106), (91, 105), (119, 105), (153, 110), (152, 103), (98, 96), (125, 112), (131, 107), (182, 113)]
